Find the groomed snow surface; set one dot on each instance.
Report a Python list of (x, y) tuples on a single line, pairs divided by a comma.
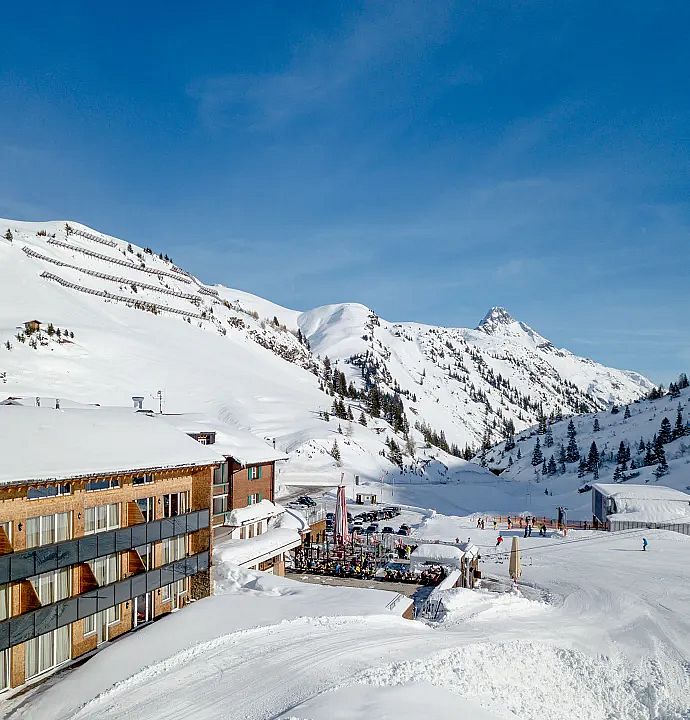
[(598, 630)]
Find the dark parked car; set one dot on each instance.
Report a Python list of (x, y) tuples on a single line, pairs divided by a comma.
[(387, 529), (372, 529)]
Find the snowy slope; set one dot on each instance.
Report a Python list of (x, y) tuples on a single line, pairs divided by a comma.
[(642, 424), (140, 324)]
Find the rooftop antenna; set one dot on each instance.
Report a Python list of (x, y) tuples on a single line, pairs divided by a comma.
[(160, 401)]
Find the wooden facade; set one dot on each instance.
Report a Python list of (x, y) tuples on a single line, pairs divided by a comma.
[(102, 519)]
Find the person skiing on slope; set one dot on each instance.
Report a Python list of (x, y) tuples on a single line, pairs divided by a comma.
[(499, 540), (644, 543)]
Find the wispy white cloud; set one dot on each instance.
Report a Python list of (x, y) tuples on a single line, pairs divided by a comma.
[(322, 70)]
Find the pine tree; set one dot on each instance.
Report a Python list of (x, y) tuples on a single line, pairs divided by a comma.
[(335, 452), (362, 419), (8, 235), (683, 381), (572, 453), (673, 390), (614, 409), (561, 453), (51, 329), (621, 455), (510, 460), (519, 455), (617, 474), (548, 438), (627, 412), (350, 416), (537, 457), (593, 457), (326, 416), (551, 468), (665, 434), (543, 467), (572, 433), (541, 428), (679, 428), (596, 427)]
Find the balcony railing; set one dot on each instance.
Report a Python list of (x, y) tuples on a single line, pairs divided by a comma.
[(31, 624), (46, 558)]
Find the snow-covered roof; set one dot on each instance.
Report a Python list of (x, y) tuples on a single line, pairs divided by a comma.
[(259, 548), (252, 513), (646, 503), (438, 553), (42, 444), (642, 492), (233, 441), (294, 520)]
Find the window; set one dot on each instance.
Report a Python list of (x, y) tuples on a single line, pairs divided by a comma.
[(47, 651), (220, 504), (47, 491), (259, 529), (146, 505), (254, 499), (4, 602), (254, 472), (47, 529), (106, 570), (5, 669), (174, 549), (102, 485), (53, 586), (175, 504), (143, 479), (203, 439), (174, 591), (220, 474), (100, 518)]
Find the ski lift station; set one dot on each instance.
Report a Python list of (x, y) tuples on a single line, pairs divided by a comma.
[(627, 507)]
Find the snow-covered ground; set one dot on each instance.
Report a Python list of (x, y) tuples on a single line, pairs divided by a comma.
[(598, 630)]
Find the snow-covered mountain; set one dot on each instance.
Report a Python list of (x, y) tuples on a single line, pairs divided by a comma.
[(133, 323)]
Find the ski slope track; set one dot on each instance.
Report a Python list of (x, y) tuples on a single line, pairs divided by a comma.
[(138, 324)]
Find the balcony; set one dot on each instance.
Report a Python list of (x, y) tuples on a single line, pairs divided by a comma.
[(36, 622), (46, 558)]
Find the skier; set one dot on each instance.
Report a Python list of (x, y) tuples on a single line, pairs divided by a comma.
[(526, 529), (494, 523), (499, 540), (510, 523), (529, 530), (644, 543)]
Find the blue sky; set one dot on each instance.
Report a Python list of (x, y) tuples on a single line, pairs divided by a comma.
[(428, 159)]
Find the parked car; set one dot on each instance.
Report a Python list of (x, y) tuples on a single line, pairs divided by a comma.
[(388, 530), (402, 532), (330, 516), (357, 529), (372, 529)]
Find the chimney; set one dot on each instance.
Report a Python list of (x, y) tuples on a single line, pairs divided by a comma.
[(138, 402), (57, 403)]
